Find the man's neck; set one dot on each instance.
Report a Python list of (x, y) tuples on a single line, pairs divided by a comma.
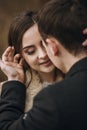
[(68, 60)]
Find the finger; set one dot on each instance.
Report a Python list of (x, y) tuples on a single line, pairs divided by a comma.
[(85, 31), (11, 55), (6, 54), (84, 43), (2, 66), (21, 62), (17, 58)]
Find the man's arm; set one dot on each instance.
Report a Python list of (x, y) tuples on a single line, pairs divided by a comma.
[(12, 104), (12, 117)]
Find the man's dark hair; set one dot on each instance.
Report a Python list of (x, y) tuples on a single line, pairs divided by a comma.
[(64, 20)]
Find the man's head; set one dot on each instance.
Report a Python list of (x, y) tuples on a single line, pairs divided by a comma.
[(61, 22)]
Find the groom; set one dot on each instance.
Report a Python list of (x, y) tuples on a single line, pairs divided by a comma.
[(62, 106)]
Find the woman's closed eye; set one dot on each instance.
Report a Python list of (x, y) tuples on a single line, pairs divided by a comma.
[(30, 51)]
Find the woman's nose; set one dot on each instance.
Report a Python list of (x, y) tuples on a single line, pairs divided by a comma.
[(42, 54)]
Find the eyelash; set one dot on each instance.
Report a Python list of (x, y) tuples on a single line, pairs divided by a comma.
[(30, 53)]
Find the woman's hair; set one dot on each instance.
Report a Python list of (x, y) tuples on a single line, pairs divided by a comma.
[(18, 27)]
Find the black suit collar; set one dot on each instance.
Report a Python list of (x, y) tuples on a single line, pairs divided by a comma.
[(80, 65)]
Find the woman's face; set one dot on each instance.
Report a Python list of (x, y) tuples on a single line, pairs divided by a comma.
[(34, 52)]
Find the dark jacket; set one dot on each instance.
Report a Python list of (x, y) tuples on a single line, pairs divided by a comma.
[(62, 106)]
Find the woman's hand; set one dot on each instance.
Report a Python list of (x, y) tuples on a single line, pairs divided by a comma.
[(11, 65)]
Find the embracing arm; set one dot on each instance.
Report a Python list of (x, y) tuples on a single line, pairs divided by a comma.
[(12, 117), (12, 104)]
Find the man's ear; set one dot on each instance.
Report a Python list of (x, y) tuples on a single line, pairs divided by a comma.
[(51, 42)]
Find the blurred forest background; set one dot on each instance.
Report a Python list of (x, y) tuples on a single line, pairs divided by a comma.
[(8, 10)]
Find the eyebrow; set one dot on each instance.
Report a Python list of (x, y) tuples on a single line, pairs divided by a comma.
[(26, 47)]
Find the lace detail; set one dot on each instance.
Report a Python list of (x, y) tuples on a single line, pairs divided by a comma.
[(45, 84)]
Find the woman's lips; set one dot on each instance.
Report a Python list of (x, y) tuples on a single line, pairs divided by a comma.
[(46, 63)]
